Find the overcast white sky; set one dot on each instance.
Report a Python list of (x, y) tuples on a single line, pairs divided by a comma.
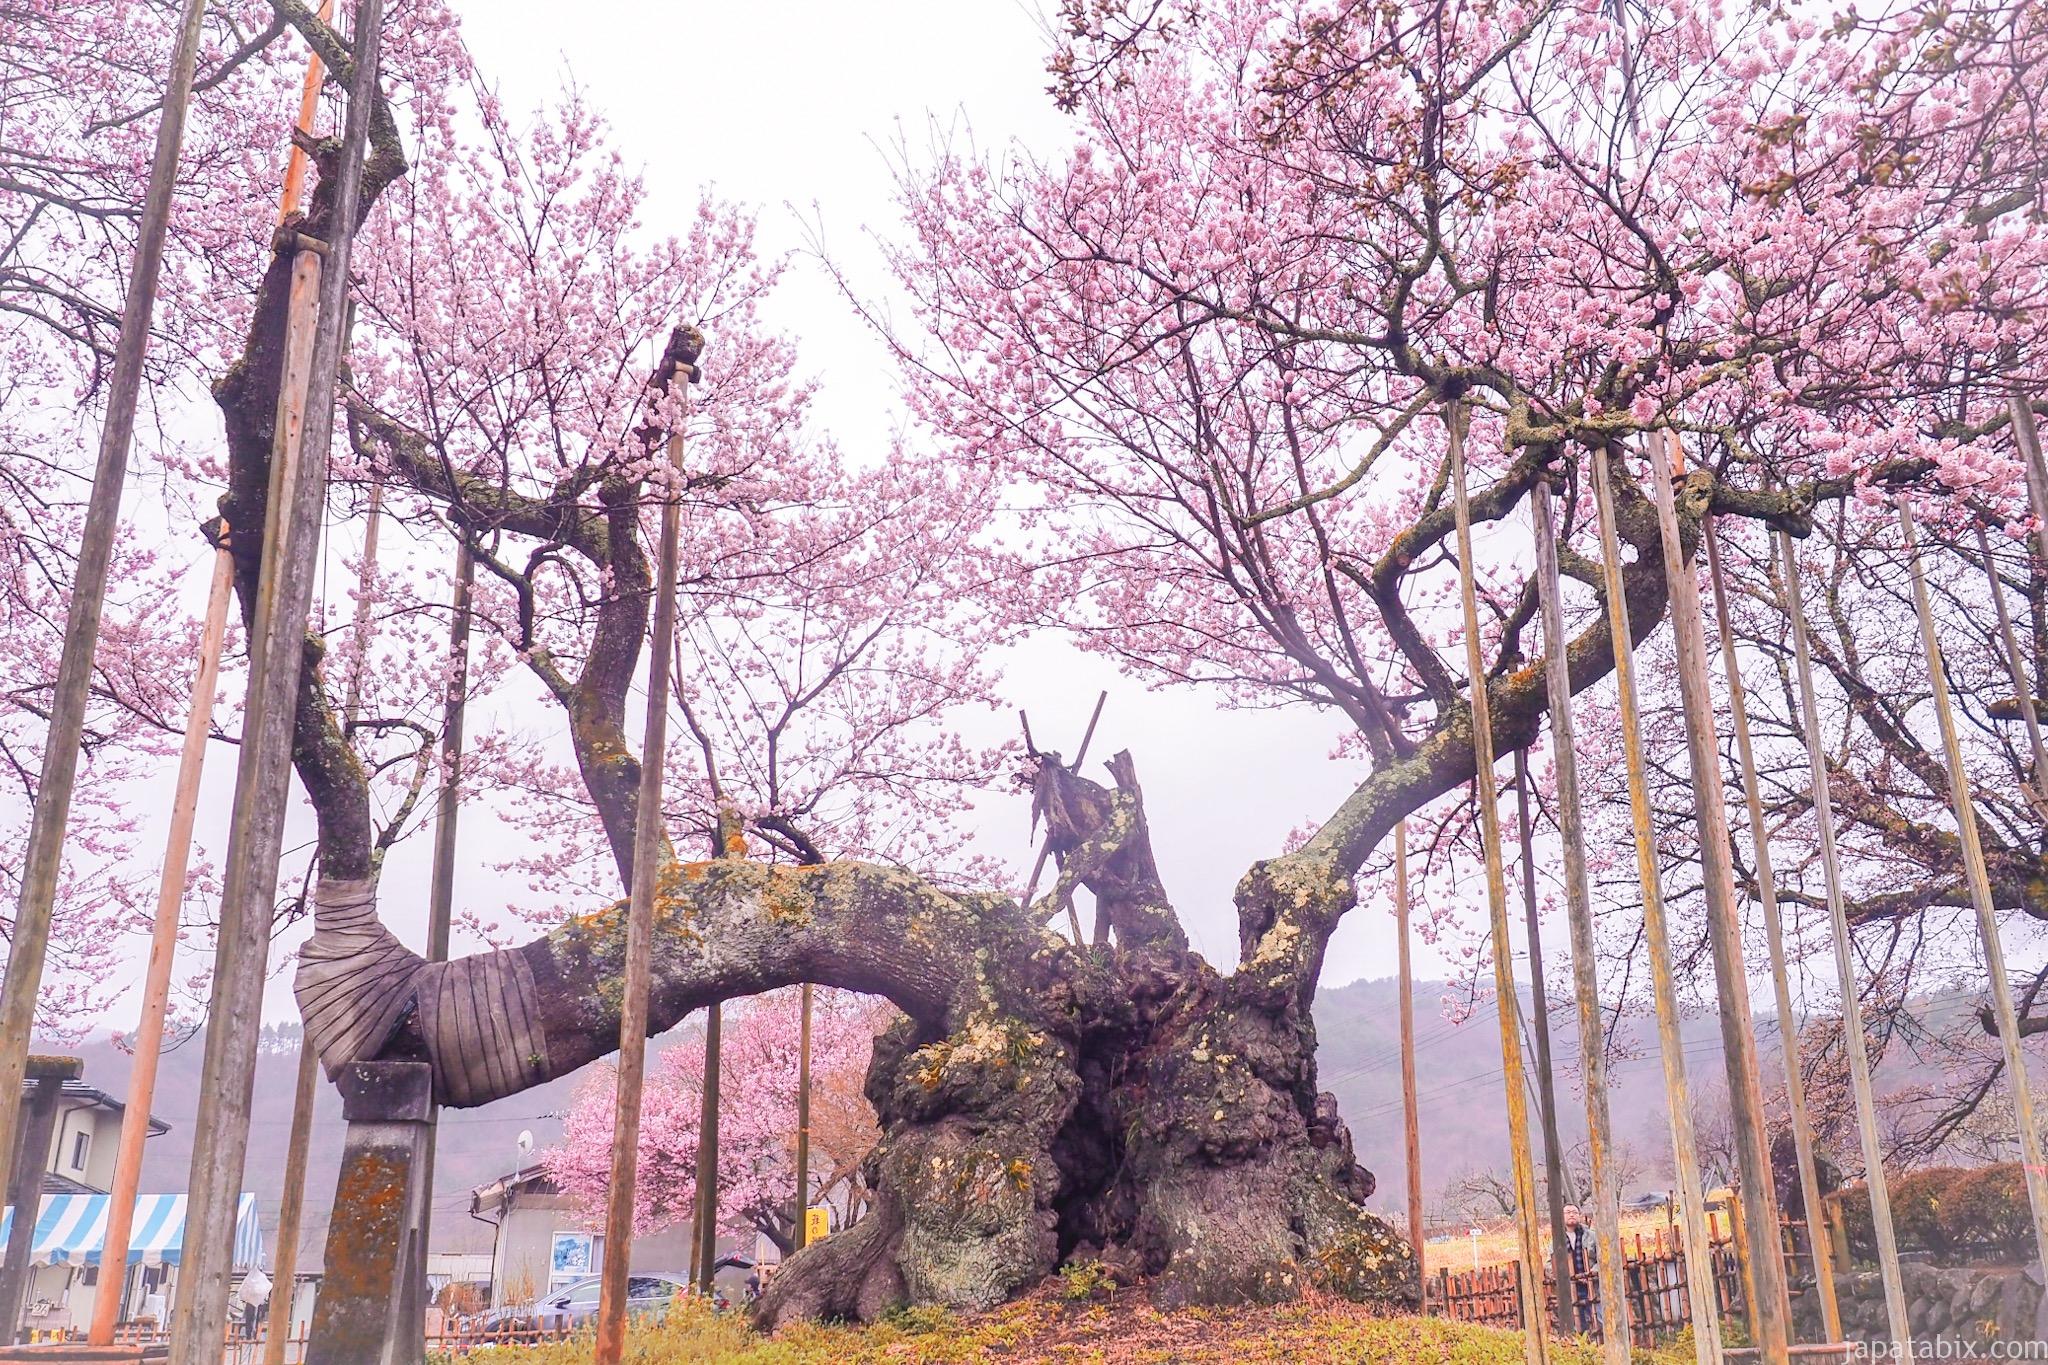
[(792, 106)]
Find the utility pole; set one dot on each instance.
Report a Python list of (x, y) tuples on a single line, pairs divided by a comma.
[(706, 1227), (803, 1118), (29, 937)]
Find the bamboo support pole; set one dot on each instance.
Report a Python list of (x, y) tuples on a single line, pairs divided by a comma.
[(648, 851), (163, 950), (803, 1117), (28, 938), (1534, 1344), (1845, 979), (1980, 897), (1579, 909), (291, 538), (1411, 1128), (1774, 938), (1770, 1309), (1696, 1243), (1546, 1083)]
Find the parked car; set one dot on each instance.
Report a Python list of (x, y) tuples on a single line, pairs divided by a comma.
[(575, 1305), (1644, 1203)]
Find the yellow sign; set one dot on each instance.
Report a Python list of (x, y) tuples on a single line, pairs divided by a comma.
[(817, 1225)]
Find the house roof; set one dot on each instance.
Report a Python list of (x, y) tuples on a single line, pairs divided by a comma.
[(533, 1179), (80, 1095)]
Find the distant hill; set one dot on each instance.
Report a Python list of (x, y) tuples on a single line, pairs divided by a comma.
[(474, 1146)]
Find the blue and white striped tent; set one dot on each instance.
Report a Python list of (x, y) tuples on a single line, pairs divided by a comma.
[(71, 1229)]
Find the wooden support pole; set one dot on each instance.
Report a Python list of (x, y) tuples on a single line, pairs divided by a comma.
[(1770, 1310), (1845, 980), (45, 1077), (2028, 438), (28, 938), (1579, 910), (2031, 1158), (297, 501), (1774, 938), (163, 951), (803, 1117), (440, 908), (1038, 867), (1411, 1126), (649, 850), (291, 1213), (1534, 1343), (1546, 1084), (1692, 1204), (149, 1032), (2022, 685)]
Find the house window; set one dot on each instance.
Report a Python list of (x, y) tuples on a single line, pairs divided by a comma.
[(81, 1143)]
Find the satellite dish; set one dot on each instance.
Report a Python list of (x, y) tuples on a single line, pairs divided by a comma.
[(525, 1143)]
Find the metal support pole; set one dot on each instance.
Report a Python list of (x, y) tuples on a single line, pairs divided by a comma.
[(1579, 909), (649, 851), (1546, 1085), (291, 538), (2031, 1158), (1774, 937), (1411, 1127), (1845, 980), (28, 939), (1770, 1311), (1534, 1345), (163, 951), (1692, 1204), (803, 1117)]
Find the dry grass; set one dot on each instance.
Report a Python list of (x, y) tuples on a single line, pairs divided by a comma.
[(1122, 1331)]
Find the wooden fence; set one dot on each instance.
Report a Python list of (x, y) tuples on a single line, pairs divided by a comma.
[(1653, 1278)]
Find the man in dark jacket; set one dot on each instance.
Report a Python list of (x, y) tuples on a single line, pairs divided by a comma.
[(1582, 1253)]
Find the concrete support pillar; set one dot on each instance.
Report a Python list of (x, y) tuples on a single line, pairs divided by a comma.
[(362, 1312)]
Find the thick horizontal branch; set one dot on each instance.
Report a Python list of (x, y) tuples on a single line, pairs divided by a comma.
[(496, 1023)]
